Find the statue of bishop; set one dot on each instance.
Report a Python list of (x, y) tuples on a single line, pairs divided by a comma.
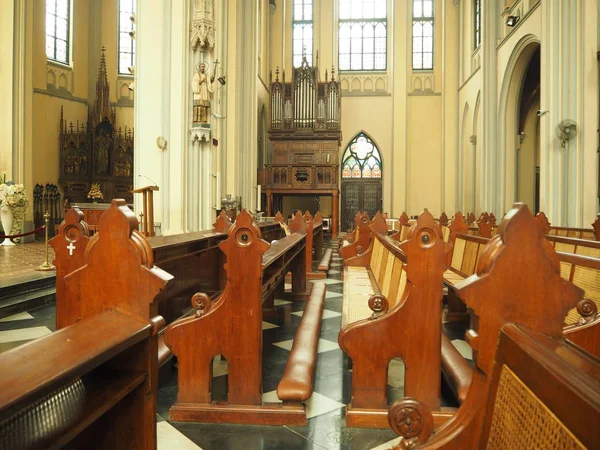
[(202, 87)]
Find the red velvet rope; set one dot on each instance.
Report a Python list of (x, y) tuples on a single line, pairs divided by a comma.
[(14, 236)]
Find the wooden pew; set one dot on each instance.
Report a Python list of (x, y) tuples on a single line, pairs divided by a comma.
[(361, 241), (99, 373), (352, 234), (232, 327), (377, 226), (193, 259), (578, 233), (314, 240), (542, 393), (581, 325), (89, 385), (518, 296), (383, 318)]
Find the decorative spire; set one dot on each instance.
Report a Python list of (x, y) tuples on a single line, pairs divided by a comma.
[(102, 108), (277, 74), (332, 73)]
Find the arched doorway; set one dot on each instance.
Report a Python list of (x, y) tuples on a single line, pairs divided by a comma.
[(528, 158), (518, 146), (361, 179)]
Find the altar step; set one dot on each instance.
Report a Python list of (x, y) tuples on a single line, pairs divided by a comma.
[(27, 293)]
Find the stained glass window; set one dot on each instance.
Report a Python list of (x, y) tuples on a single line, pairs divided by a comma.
[(361, 159), (477, 22), (302, 32), (126, 43), (58, 30), (362, 34), (422, 35)]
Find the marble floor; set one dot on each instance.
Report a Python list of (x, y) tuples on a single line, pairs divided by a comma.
[(325, 409)]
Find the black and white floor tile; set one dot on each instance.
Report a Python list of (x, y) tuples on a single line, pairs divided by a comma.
[(325, 410)]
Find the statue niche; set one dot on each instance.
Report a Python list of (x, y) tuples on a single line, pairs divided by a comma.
[(99, 153)]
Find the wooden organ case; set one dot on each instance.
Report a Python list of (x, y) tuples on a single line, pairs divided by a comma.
[(305, 134), (96, 153)]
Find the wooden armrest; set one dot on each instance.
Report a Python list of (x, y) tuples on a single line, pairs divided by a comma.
[(298, 376), (457, 370)]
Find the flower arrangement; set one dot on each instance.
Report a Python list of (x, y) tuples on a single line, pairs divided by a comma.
[(12, 195), (95, 192), (13, 200)]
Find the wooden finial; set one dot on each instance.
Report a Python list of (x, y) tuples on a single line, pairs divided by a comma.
[(542, 222), (596, 227), (403, 218), (223, 222)]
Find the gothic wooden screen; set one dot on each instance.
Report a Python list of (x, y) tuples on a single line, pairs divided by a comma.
[(361, 179)]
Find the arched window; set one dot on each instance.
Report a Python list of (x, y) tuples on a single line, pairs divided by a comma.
[(361, 159)]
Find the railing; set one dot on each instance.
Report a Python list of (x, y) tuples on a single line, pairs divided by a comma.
[(297, 176)]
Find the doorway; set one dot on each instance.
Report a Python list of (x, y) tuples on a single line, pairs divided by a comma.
[(361, 179), (528, 158)]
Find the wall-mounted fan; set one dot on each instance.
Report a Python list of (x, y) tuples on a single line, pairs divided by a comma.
[(566, 130)]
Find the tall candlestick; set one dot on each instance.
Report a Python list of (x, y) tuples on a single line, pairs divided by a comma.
[(258, 199)]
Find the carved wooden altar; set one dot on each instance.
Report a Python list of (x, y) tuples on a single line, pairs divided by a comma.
[(98, 152), (305, 132)]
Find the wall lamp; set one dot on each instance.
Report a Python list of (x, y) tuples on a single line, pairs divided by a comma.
[(272, 5), (511, 21), (222, 80)]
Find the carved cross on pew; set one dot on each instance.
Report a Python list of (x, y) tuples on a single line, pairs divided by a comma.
[(71, 247)]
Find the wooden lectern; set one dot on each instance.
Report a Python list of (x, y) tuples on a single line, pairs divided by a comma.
[(147, 209)]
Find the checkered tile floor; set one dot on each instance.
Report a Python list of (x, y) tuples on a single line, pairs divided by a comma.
[(326, 408)]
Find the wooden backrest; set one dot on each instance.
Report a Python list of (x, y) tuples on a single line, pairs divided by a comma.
[(466, 253), (119, 272), (517, 281), (584, 272), (69, 246), (583, 247)]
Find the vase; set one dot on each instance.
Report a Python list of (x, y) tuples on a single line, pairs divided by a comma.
[(6, 218)]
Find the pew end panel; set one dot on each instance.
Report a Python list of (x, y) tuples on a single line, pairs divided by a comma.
[(131, 288), (506, 290), (366, 341), (231, 326), (69, 246)]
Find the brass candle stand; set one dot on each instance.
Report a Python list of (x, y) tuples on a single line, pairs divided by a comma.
[(46, 266)]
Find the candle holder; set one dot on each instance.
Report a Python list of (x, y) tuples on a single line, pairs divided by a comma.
[(46, 266)]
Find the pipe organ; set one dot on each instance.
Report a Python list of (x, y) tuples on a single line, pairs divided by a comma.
[(305, 136)]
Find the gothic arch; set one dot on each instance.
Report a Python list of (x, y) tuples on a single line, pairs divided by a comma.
[(361, 174), (508, 117)]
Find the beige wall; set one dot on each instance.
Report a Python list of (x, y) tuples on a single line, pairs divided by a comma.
[(402, 110), (56, 85)]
